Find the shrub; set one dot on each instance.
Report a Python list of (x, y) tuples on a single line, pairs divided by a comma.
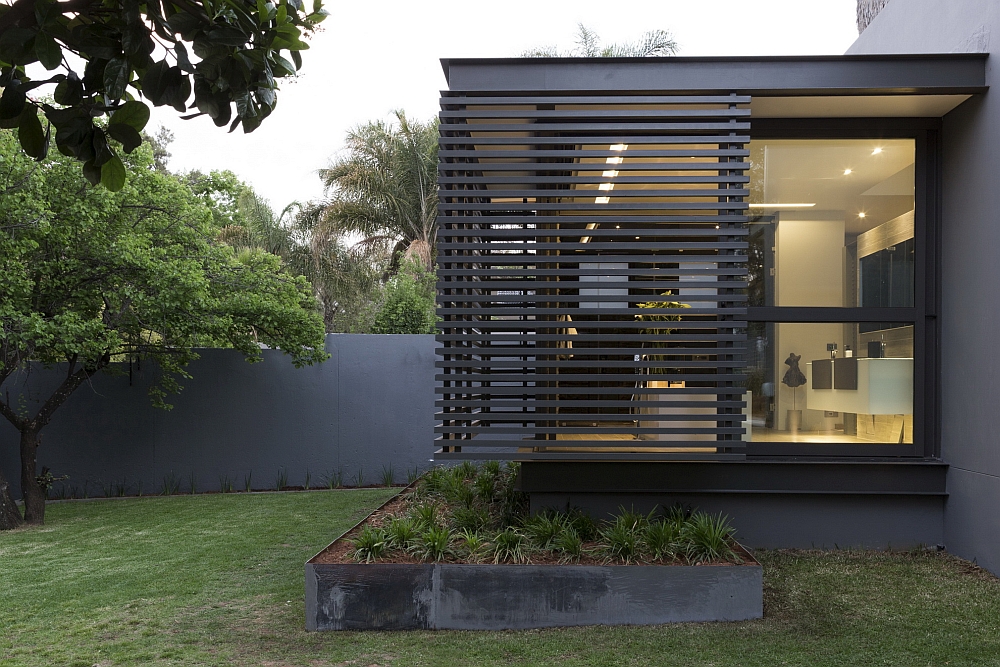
[(401, 532), (433, 545), (425, 515), (707, 538), (543, 528), (582, 523), (474, 546), (407, 305), (568, 544), (510, 546), (470, 518), (661, 539), (621, 539), (370, 544)]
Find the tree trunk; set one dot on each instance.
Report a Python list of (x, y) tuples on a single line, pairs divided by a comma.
[(34, 496), (10, 516)]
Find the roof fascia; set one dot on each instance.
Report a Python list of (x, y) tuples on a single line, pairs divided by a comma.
[(942, 74)]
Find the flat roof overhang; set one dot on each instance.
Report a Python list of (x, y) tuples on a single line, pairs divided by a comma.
[(900, 85)]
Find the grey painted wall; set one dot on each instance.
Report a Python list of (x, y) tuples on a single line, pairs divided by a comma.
[(970, 316), (790, 520), (370, 405)]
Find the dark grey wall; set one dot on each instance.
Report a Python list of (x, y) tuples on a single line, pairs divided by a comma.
[(370, 405), (970, 316), (805, 521)]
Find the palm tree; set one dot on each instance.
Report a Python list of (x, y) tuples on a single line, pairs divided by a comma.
[(346, 279), (588, 45), (383, 188)]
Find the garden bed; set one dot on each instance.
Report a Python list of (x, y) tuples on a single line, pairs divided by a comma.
[(457, 550)]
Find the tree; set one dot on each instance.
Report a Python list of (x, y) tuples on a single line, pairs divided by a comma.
[(588, 45), (224, 53), (384, 187), (92, 278), (407, 306)]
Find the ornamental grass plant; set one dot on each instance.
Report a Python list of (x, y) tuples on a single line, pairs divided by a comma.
[(475, 514)]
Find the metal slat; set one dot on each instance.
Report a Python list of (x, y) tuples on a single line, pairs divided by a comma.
[(539, 299)]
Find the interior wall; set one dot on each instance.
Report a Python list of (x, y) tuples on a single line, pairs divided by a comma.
[(809, 271), (969, 316)]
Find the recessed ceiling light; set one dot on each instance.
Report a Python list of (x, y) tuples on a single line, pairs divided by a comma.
[(636, 238), (610, 173), (847, 172), (861, 215), (602, 200), (606, 186), (615, 160), (618, 226), (619, 147), (877, 151)]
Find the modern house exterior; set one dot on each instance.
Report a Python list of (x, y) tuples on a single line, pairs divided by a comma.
[(755, 285)]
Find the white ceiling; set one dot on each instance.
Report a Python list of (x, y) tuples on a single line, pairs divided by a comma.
[(871, 106)]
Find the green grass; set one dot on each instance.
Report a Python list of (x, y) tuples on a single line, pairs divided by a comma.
[(217, 580)]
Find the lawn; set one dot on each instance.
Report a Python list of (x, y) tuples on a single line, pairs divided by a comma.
[(217, 580)]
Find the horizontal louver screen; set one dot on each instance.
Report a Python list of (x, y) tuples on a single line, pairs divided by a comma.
[(592, 255)]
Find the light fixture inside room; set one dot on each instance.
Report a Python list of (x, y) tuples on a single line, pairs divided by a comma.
[(861, 215), (590, 225), (619, 147), (878, 149), (615, 160), (798, 205), (848, 172), (602, 200), (610, 173), (606, 186)]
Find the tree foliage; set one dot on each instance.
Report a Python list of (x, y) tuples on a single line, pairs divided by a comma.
[(221, 58), (407, 305), (383, 188), (93, 277), (588, 45)]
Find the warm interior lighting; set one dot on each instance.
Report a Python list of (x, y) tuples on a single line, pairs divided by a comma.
[(618, 226), (602, 200), (590, 225), (606, 186), (861, 215), (847, 172), (610, 173), (615, 160), (800, 205), (619, 147), (877, 151)]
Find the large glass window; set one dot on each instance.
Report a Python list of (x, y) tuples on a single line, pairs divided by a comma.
[(832, 228), (832, 223)]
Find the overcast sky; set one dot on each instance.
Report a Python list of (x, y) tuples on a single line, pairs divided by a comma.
[(373, 57)]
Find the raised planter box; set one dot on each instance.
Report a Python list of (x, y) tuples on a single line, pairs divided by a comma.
[(499, 597)]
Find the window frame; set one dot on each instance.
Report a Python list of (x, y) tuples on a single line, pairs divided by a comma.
[(926, 133)]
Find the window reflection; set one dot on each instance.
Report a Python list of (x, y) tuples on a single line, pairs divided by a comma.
[(832, 223)]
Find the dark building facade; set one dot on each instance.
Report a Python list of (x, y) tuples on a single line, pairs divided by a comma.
[(713, 281)]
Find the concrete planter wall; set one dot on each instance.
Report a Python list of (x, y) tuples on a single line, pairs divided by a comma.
[(500, 597)]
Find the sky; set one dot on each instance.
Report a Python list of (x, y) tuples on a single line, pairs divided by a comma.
[(373, 57)]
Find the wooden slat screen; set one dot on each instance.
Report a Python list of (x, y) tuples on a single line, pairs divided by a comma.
[(592, 255)]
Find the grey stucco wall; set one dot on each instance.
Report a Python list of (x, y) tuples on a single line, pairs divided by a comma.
[(370, 405), (970, 317)]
